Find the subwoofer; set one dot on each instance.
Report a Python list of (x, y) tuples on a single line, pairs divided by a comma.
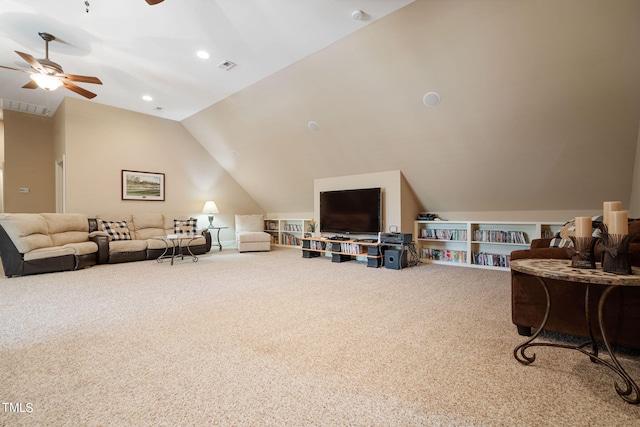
[(395, 259)]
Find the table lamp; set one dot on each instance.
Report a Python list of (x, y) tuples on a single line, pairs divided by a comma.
[(210, 208)]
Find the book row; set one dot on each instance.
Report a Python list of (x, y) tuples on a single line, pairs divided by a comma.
[(291, 240), (443, 234), (495, 236), (444, 255), (292, 227), (271, 225), (496, 260), (348, 248)]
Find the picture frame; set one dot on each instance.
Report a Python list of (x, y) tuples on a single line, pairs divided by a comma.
[(138, 185)]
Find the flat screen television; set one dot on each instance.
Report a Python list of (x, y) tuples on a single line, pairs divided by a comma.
[(356, 211)]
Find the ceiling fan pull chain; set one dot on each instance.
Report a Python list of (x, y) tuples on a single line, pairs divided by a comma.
[(86, 3)]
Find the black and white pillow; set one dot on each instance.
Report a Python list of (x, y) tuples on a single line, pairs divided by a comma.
[(117, 230), (561, 238), (185, 226)]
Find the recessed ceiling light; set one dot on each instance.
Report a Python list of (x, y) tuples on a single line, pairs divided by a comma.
[(147, 98), (203, 54)]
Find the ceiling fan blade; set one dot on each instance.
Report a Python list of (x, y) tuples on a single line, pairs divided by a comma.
[(152, 2), (31, 85), (78, 90), (82, 79), (16, 69), (32, 62)]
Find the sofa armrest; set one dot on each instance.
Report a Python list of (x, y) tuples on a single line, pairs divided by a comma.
[(207, 237), (541, 253), (12, 259), (102, 240)]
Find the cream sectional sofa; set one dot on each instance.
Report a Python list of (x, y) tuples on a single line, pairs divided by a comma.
[(43, 243), (143, 228), (48, 242)]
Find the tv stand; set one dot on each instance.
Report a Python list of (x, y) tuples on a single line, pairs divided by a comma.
[(342, 249)]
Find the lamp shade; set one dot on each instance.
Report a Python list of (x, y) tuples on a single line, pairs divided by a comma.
[(210, 207)]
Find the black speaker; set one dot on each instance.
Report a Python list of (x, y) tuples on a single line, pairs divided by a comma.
[(395, 259)]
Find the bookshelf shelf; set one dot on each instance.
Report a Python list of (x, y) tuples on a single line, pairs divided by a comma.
[(479, 244), (286, 232)]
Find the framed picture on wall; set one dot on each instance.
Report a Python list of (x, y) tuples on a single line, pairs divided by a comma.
[(138, 185)]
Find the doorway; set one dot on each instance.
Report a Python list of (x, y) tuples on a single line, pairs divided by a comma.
[(60, 185)]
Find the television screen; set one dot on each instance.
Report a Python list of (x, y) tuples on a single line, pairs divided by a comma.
[(351, 211)]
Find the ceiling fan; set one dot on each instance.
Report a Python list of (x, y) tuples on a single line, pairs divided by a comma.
[(152, 2), (49, 76)]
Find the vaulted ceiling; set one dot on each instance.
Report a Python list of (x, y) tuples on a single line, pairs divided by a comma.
[(137, 49), (539, 110)]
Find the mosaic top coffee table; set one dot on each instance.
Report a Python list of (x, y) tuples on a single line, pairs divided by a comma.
[(561, 270)]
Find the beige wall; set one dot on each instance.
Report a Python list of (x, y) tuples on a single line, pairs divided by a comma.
[(540, 109), (1, 165), (28, 163), (634, 207), (98, 142)]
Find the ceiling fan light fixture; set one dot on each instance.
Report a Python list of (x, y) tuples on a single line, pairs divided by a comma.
[(45, 81)]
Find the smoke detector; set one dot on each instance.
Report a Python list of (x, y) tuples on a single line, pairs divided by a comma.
[(357, 15)]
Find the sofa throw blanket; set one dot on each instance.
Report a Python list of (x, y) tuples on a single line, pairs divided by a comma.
[(117, 230)]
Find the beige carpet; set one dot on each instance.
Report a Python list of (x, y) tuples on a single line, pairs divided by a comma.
[(272, 339)]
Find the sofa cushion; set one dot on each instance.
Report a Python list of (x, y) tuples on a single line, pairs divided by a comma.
[(82, 248), (127, 245), (148, 225), (185, 226), (117, 230), (200, 240), (254, 236), (50, 252), (67, 228), (128, 218), (249, 223), (169, 219), (27, 231)]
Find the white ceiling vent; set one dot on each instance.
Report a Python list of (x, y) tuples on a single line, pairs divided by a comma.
[(226, 65), (24, 107)]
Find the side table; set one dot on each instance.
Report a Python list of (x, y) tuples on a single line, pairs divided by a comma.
[(218, 235), (561, 269)]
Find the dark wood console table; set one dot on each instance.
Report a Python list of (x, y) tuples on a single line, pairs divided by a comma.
[(561, 269)]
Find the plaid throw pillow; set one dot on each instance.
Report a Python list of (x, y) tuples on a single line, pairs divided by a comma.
[(117, 230), (185, 226), (561, 238)]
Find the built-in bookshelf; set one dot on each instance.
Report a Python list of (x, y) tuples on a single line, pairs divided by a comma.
[(480, 244), (287, 232)]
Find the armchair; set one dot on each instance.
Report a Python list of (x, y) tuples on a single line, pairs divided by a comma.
[(250, 234)]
